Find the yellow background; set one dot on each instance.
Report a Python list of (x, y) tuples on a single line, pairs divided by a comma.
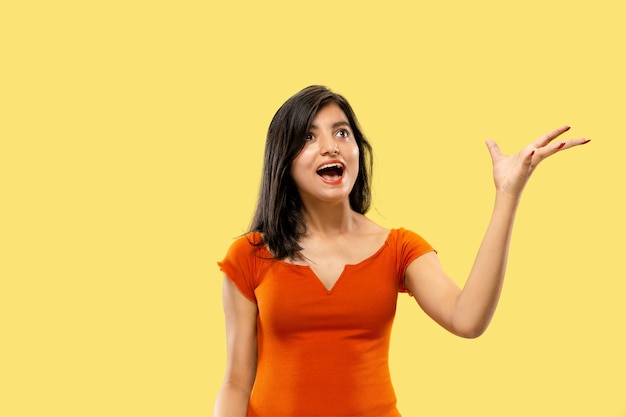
[(132, 137)]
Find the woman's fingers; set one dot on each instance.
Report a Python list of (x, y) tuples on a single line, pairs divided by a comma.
[(555, 147), (550, 136)]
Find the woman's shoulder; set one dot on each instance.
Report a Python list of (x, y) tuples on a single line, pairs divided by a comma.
[(402, 238), (402, 232), (405, 233), (248, 243), (392, 234)]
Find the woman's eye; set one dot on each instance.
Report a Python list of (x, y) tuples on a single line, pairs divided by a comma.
[(343, 133), (308, 137)]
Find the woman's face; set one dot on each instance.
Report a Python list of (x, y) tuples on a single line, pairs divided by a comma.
[(328, 165)]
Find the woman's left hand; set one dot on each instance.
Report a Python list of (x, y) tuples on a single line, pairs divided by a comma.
[(511, 172)]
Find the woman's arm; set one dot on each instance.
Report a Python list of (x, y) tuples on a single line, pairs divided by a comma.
[(241, 345), (467, 312)]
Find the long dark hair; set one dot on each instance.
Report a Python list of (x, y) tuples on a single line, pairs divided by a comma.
[(278, 214)]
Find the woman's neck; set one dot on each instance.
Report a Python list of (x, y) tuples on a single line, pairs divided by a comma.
[(330, 219)]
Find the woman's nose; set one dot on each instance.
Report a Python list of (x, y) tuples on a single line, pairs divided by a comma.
[(328, 146)]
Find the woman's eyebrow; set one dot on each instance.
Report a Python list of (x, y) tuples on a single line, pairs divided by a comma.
[(341, 123), (336, 124)]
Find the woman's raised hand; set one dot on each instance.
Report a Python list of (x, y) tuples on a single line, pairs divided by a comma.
[(511, 172)]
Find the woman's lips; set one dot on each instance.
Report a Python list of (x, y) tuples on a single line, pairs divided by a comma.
[(331, 172)]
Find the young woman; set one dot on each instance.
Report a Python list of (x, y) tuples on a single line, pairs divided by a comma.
[(310, 292)]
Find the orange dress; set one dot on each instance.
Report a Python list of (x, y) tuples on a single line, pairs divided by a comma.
[(323, 352)]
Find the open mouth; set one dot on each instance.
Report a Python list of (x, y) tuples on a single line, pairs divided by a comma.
[(331, 172)]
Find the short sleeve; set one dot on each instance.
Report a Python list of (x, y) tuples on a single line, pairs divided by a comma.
[(240, 264), (410, 247)]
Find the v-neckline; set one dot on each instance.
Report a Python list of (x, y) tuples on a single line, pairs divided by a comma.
[(332, 288), (318, 279)]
